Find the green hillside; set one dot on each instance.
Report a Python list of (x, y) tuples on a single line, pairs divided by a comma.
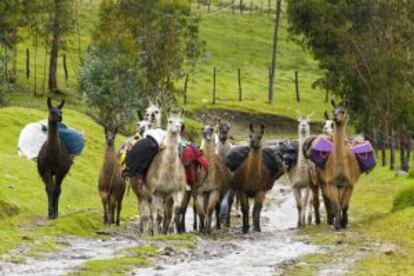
[(232, 41)]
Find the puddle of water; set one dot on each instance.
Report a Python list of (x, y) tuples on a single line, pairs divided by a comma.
[(251, 254), (62, 261)]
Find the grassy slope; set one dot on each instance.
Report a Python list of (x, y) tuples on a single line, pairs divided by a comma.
[(22, 192), (232, 41)]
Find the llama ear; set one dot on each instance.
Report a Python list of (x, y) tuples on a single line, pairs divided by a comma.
[(251, 127), (140, 115), (150, 101), (182, 127), (325, 115), (158, 102), (62, 103), (49, 102), (182, 113), (298, 116), (262, 128), (333, 104)]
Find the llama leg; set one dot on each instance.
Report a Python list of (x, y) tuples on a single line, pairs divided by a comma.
[(230, 204), (168, 214), (158, 213), (144, 216), (200, 210), (258, 204), (298, 198), (335, 204), (112, 207), (346, 197), (183, 211), (305, 205), (328, 206), (177, 206), (105, 208), (316, 203), (195, 212), (218, 217), (118, 211), (244, 201), (213, 199)]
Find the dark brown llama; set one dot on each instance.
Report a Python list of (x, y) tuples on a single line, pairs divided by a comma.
[(54, 160), (252, 179), (110, 184)]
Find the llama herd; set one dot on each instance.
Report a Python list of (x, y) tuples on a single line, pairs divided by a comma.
[(166, 172)]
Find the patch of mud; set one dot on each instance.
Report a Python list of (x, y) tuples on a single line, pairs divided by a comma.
[(232, 253), (77, 251)]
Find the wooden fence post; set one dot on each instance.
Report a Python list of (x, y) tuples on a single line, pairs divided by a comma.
[(27, 63), (185, 89), (214, 85), (240, 85), (65, 67), (297, 86)]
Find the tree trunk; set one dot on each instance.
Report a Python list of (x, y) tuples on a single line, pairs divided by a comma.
[(383, 153), (392, 150), (240, 85), (54, 51), (297, 86), (214, 85), (35, 65), (6, 61), (185, 89), (27, 63), (274, 53), (44, 72)]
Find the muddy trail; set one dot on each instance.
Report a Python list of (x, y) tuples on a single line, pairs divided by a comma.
[(225, 251)]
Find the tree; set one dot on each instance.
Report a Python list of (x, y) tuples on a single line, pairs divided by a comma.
[(62, 21), (274, 53), (367, 51), (110, 77), (166, 35)]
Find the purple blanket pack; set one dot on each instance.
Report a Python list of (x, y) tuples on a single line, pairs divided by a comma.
[(365, 156), (320, 151)]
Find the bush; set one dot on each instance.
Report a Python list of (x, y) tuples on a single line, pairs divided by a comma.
[(404, 199)]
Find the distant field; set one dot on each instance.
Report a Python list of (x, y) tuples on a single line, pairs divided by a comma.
[(232, 41)]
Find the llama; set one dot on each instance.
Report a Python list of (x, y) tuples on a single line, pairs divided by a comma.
[(54, 161), (252, 179), (111, 185), (166, 180), (143, 125), (153, 114), (215, 185), (341, 171), (303, 177), (328, 125)]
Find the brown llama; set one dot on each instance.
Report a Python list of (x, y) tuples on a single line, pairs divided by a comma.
[(111, 185), (341, 171), (215, 185), (54, 161), (252, 179)]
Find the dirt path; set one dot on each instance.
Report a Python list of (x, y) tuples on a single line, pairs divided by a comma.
[(225, 252)]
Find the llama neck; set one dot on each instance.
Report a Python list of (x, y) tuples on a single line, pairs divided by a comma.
[(223, 148), (301, 157), (339, 146), (171, 148), (209, 151), (254, 161), (52, 134), (110, 157)]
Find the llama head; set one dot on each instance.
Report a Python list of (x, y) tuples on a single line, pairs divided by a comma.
[(175, 123), (142, 125), (153, 114), (304, 124), (328, 125), (55, 113), (223, 127), (256, 135), (110, 136), (339, 112), (207, 133)]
